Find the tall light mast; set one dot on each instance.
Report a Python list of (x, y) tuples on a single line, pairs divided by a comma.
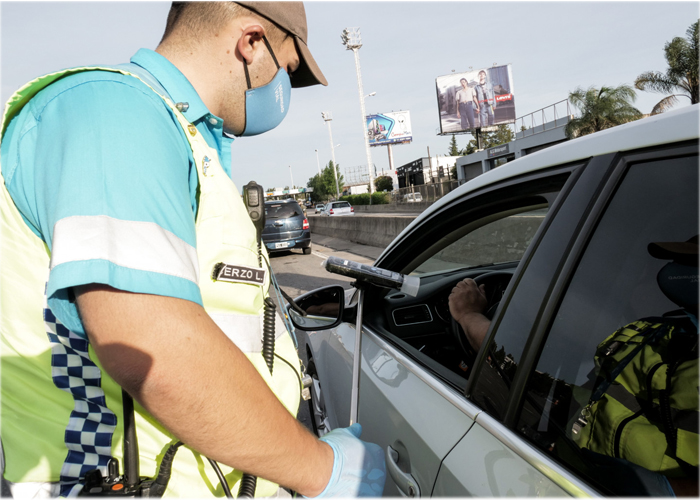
[(328, 119), (352, 41)]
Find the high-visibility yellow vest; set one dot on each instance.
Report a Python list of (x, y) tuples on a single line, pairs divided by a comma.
[(647, 408), (37, 417)]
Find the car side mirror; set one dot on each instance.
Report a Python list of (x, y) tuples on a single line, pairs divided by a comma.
[(318, 310)]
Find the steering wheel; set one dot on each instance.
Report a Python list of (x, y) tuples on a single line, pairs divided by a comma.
[(494, 294)]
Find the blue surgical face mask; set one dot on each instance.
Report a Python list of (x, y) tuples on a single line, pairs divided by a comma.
[(266, 106)]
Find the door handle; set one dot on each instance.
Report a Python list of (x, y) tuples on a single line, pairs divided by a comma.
[(279, 223), (405, 482)]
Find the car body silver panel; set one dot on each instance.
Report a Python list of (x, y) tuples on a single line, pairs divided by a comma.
[(400, 409), (482, 466), (405, 406), (545, 465)]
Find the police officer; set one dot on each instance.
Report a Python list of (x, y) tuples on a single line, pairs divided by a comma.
[(117, 205)]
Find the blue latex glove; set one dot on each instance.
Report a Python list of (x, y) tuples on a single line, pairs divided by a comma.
[(358, 467)]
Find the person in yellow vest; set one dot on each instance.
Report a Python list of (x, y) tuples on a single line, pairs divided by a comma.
[(640, 426), (117, 210), (645, 391)]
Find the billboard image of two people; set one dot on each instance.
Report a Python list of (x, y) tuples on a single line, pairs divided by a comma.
[(389, 128), (482, 98)]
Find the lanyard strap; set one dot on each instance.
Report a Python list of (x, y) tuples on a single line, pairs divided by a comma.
[(603, 381)]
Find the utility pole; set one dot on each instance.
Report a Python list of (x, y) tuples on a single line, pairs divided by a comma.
[(352, 41), (328, 119), (318, 164)]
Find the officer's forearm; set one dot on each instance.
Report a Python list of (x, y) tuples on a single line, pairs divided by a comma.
[(174, 360)]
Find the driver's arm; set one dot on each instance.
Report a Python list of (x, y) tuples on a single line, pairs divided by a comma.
[(467, 303)]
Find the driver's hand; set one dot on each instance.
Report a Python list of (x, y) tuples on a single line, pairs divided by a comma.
[(466, 298), (467, 303)]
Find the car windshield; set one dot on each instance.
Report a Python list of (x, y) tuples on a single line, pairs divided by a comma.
[(281, 210)]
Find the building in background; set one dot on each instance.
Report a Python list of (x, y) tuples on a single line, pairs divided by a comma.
[(426, 171), (526, 142)]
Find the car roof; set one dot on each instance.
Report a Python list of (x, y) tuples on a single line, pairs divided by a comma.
[(665, 128), (288, 200)]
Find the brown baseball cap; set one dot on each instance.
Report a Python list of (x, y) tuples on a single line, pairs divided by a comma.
[(291, 17)]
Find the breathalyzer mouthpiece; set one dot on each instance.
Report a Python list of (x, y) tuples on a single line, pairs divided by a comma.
[(375, 275)]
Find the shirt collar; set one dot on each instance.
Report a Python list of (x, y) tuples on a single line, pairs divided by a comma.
[(173, 81)]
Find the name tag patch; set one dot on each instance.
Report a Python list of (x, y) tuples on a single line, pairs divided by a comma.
[(239, 274)]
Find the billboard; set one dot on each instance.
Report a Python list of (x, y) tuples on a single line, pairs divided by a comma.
[(389, 128), (483, 98)]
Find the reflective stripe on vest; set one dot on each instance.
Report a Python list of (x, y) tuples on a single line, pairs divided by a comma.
[(35, 413)]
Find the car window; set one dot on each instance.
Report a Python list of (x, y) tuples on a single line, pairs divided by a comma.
[(591, 402), (342, 204), (434, 251), (281, 210), (501, 237)]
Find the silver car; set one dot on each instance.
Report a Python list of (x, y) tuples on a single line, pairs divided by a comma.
[(560, 240), (336, 208)]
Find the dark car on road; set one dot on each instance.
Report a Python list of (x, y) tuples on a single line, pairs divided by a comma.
[(286, 227)]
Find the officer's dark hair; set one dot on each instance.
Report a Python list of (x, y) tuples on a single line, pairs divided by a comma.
[(192, 19)]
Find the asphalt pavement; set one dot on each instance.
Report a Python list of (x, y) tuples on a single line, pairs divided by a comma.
[(339, 245)]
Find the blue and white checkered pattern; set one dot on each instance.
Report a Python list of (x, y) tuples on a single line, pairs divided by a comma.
[(91, 425)]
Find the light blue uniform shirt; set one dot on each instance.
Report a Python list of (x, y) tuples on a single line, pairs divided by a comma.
[(103, 144)]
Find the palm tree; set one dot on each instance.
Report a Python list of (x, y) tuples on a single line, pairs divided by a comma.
[(681, 75), (601, 108)]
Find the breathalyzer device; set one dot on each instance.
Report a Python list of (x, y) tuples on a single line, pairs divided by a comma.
[(374, 275)]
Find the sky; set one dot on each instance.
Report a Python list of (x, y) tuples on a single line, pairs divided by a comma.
[(553, 47)]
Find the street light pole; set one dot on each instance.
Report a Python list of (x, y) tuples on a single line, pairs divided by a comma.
[(352, 41), (318, 165), (328, 118), (291, 177)]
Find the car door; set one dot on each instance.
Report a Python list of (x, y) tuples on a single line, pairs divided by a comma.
[(411, 397), (591, 274), (415, 432)]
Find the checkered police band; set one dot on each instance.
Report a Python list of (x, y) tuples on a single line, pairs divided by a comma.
[(91, 425)]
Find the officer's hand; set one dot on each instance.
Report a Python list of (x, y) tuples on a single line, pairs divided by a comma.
[(466, 298), (358, 467)]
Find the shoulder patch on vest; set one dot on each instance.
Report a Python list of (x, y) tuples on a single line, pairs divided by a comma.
[(239, 274)]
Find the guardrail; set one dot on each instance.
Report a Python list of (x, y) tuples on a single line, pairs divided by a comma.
[(548, 118)]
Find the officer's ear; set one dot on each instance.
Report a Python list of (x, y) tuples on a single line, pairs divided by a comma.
[(250, 42)]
